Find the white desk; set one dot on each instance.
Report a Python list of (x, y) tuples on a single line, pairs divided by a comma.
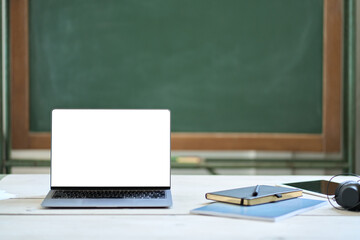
[(23, 218)]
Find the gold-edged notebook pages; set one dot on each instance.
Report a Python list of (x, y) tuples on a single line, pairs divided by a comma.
[(244, 196)]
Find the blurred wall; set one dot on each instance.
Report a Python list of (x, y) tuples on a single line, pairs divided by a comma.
[(357, 160)]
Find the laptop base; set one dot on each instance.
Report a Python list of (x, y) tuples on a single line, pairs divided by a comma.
[(50, 202)]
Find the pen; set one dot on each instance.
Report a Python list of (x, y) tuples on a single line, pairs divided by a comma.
[(256, 191)]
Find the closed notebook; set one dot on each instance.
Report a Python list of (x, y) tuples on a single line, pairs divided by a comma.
[(244, 196), (268, 212)]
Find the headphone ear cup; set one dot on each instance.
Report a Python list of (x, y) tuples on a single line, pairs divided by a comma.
[(347, 194), (337, 191)]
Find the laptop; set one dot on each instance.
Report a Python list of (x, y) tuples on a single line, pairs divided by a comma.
[(109, 158)]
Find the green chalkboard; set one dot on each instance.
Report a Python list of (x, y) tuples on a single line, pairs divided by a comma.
[(219, 65)]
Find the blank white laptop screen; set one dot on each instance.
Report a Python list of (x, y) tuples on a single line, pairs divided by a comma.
[(110, 148)]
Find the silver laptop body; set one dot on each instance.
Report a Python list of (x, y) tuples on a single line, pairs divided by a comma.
[(114, 152)]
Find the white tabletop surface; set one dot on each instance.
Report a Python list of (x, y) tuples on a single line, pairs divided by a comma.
[(22, 217)]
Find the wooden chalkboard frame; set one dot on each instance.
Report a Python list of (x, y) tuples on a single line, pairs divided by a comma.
[(328, 141)]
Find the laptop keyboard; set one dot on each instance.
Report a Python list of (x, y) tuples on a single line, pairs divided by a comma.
[(125, 194)]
